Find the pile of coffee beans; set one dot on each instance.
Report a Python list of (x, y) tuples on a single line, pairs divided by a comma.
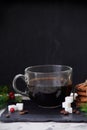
[(67, 113)]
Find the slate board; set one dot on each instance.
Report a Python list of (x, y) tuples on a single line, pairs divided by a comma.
[(38, 114)]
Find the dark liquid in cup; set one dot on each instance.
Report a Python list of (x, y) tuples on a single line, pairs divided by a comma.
[(48, 92)]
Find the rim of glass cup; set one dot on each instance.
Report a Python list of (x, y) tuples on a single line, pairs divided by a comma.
[(68, 68)]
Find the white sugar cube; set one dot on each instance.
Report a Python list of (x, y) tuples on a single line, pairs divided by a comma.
[(74, 95), (69, 99), (19, 106), (69, 109), (66, 105), (71, 94), (12, 106)]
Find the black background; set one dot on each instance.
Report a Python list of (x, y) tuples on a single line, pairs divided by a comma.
[(42, 33)]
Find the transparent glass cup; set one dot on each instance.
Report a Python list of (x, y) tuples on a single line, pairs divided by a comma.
[(47, 85)]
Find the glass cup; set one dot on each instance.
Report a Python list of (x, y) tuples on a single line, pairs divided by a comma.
[(47, 85)]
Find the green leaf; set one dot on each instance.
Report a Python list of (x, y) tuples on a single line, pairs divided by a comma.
[(3, 100), (4, 89), (83, 108)]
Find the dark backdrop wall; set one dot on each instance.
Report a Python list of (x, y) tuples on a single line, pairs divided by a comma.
[(43, 33)]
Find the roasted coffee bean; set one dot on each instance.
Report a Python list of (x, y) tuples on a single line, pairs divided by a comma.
[(23, 112), (77, 112), (62, 111), (74, 110), (66, 113), (7, 115)]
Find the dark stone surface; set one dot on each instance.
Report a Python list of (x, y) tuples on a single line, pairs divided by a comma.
[(38, 114)]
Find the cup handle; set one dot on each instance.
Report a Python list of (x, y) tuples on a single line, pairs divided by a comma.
[(15, 85)]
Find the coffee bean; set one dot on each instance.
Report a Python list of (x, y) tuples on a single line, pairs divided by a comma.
[(66, 113), (77, 112), (62, 111), (23, 112), (74, 110), (7, 115)]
